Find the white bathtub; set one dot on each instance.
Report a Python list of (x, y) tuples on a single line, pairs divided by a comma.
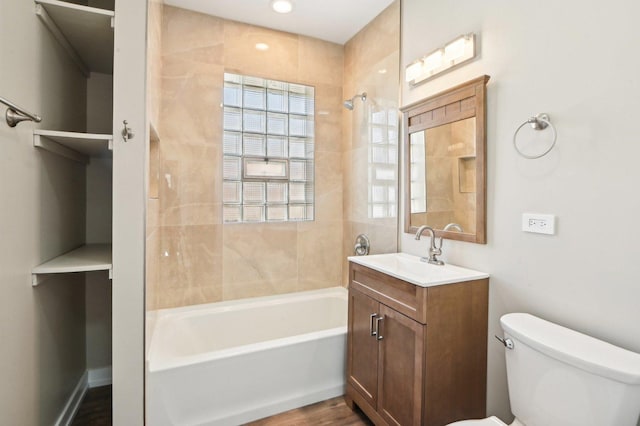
[(233, 362)]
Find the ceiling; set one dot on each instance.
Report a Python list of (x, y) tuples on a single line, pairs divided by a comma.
[(332, 20)]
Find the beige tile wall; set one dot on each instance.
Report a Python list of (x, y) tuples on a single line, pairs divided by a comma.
[(154, 77), (371, 65), (200, 259), (464, 196), (450, 150), (440, 177)]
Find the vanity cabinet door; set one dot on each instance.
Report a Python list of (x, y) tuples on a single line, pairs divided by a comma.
[(400, 368), (362, 357)]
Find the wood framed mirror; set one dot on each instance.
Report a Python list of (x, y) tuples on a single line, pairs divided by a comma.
[(445, 145)]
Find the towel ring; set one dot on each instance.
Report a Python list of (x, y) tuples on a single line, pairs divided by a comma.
[(539, 122)]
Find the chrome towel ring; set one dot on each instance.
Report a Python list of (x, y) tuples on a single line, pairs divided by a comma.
[(538, 122)]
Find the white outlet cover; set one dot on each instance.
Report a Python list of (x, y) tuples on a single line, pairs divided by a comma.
[(539, 223)]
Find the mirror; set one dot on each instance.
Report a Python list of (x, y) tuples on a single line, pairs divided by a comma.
[(445, 162)]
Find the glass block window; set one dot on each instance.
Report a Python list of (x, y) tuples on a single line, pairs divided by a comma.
[(268, 141), (383, 163)]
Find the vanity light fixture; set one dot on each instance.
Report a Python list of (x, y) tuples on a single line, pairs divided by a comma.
[(452, 54), (262, 46), (282, 6)]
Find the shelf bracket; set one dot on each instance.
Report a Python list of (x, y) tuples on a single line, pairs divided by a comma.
[(37, 279), (57, 34), (49, 145)]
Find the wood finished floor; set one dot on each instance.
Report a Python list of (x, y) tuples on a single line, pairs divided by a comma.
[(95, 410), (330, 412)]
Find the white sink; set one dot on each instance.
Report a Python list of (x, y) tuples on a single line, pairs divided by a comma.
[(411, 269)]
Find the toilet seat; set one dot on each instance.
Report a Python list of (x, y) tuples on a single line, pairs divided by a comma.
[(489, 421)]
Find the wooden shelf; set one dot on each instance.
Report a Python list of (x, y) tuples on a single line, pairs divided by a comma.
[(85, 32), (91, 257), (76, 146)]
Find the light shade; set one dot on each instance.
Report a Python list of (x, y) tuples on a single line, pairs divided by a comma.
[(452, 54), (282, 6)]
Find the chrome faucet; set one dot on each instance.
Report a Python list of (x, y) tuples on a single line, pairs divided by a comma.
[(433, 249)]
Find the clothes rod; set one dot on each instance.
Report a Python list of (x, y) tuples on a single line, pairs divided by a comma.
[(15, 114)]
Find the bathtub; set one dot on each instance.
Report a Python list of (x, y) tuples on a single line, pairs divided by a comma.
[(233, 362)]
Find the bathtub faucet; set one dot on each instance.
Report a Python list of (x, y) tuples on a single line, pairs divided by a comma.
[(433, 250)]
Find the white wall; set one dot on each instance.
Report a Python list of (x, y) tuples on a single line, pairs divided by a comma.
[(98, 230), (578, 62), (99, 103), (102, 4), (98, 224), (42, 202)]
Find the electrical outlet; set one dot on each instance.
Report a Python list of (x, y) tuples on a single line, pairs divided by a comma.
[(539, 223)]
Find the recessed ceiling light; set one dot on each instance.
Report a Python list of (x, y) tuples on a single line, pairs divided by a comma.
[(262, 46), (282, 6)]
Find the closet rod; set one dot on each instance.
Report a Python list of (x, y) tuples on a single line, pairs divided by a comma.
[(15, 114)]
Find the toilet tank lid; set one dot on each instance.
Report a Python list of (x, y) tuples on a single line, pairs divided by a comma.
[(572, 347)]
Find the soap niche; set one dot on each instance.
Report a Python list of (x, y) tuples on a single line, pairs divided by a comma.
[(466, 174)]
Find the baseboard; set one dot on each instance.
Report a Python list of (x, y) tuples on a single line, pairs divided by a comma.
[(71, 407), (99, 377), (89, 379)]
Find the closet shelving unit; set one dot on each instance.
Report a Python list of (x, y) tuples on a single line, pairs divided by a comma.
[(75, 146), (86, 34), (91, 257)]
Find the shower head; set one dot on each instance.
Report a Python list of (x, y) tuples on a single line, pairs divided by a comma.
[(348, 104)]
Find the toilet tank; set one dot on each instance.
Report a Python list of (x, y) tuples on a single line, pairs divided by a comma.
[(559, 377)]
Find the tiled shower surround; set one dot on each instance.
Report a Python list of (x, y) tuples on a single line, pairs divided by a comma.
[(195, 258), (370, 176)]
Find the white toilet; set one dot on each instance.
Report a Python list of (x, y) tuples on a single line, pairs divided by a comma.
[(559, 377)]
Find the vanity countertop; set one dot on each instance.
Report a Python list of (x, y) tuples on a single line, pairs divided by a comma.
[(409, 268)]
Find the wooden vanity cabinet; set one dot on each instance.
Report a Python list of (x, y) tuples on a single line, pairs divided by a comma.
[(386, 368), (416, 355)]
